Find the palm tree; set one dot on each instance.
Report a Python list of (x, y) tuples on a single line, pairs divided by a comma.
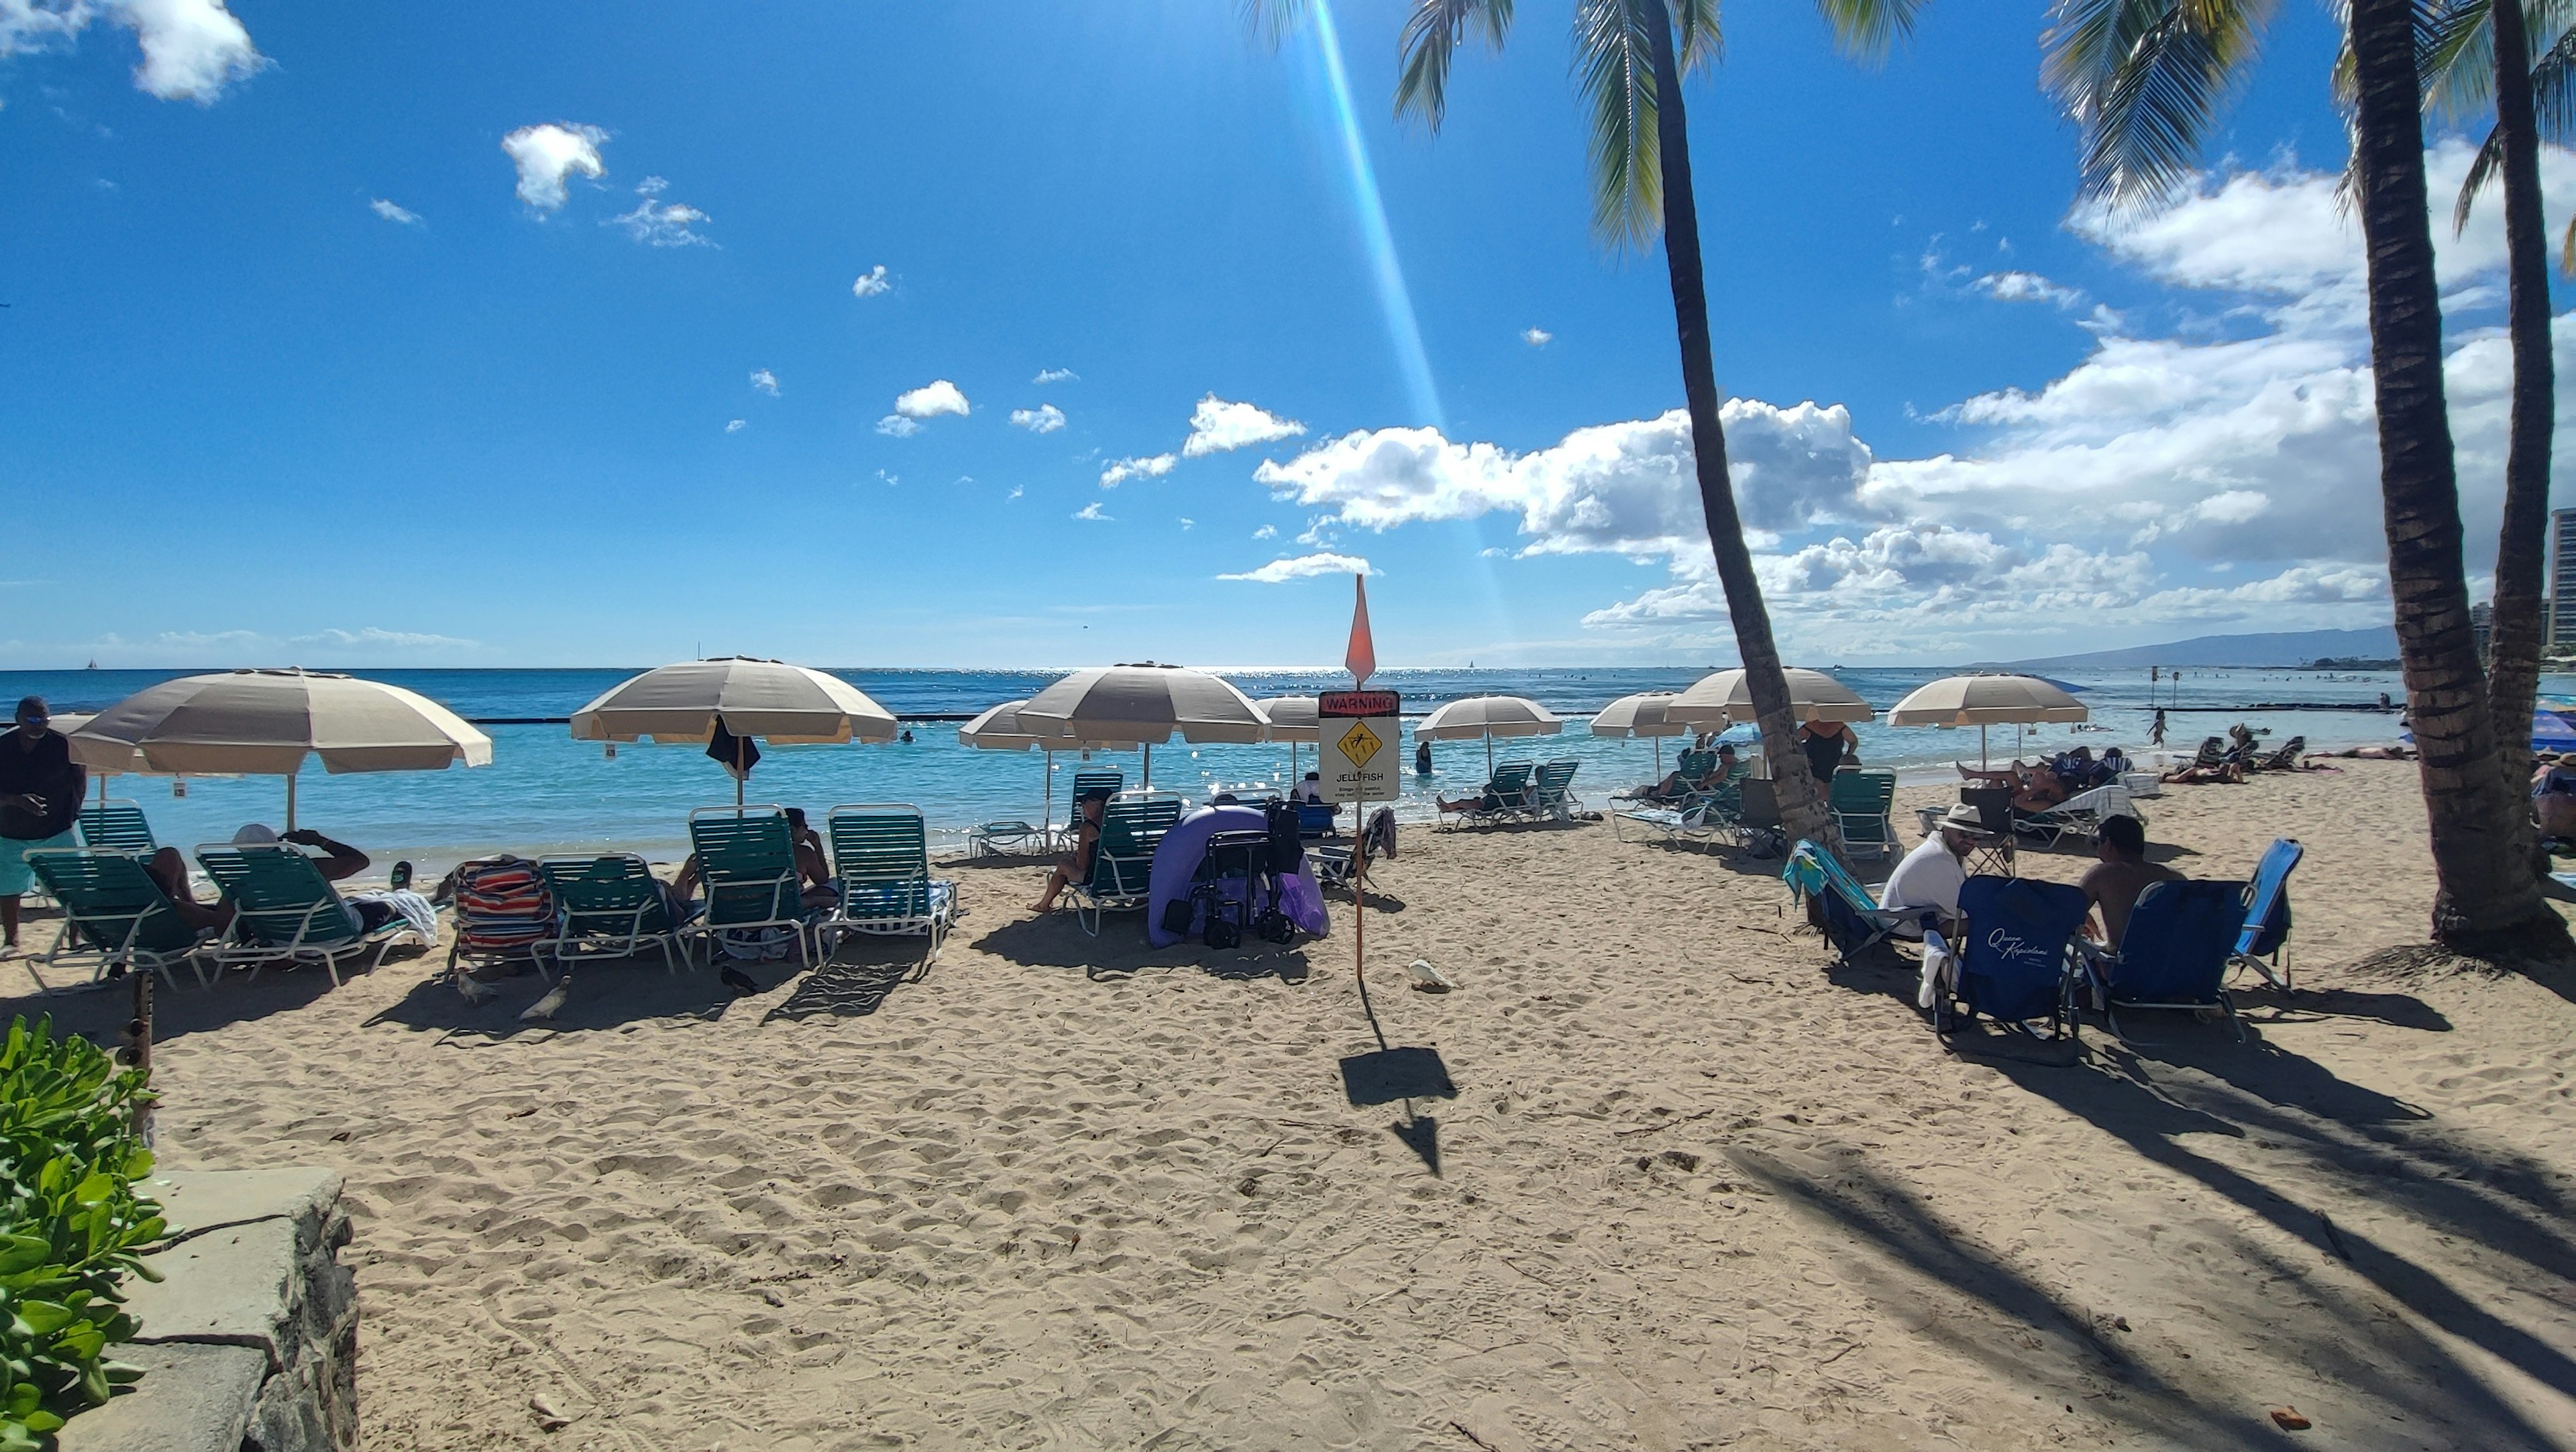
[(2481, 54), (2142, 81), (1630, 56)]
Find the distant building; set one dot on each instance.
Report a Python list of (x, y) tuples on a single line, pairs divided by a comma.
[(2482, 622), (2558, 618)]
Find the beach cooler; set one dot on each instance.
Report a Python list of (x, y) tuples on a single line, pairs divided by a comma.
[(2143, 783)]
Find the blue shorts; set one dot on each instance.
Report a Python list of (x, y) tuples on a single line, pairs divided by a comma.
[(16, 879)]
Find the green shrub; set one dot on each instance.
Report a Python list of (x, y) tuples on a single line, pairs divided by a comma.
[(71, 1226)]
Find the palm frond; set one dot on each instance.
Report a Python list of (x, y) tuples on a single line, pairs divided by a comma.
[(1614, 64), (1697, 38), (1273, 21), (2553, 86), (2458, 65), (2482, 169), (1430, 39), (2567, 250), (2143, 80), (1868, 29)]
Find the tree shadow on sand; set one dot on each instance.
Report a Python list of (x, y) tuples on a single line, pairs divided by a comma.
[(100, 1013)]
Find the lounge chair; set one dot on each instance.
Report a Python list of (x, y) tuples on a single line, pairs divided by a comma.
[(283, 908), (1552, 791), (112, 908), (1704, 814), (1507, 795), (2014, 958), (503, 911), (881, 858), (2083, 812), (2263, 939), (2213, 752), (1862, 802), (117, 826), (1085, 783), (992, 839), (1122, 863), (2174, 952), (747, 862), (2285, 759), (608, 907), (1853, 920)]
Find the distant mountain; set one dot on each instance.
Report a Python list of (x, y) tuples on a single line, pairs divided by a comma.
[(2284, 648)]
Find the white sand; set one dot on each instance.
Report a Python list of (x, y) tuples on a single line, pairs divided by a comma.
[(1699, 1187)]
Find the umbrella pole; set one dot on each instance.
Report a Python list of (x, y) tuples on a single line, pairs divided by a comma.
[(1149, 766), (1046, 813), (738, 774), (1659, 758), (290, 801), (1489, 756), (1982, 759)]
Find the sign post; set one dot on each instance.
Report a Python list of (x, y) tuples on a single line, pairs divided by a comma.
[(1358, 732)]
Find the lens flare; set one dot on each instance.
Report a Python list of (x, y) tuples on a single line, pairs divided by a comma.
[(1385, 269)]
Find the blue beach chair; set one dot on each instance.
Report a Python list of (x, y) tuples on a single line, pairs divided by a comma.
[(2263, 942), (2013, 958), (1853, 921), (2174, 953)]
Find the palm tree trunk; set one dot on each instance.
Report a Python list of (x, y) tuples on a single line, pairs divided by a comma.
[(1802, 811), (2513, 649), (2486, 900)]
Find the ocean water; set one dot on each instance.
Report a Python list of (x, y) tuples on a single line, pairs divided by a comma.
[(546, 792)]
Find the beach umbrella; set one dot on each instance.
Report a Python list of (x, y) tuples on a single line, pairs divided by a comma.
[(784, 705), (1145, 703), (1987, 700), (1292, 719), (1723, 697), (1488, 716), (2552, 731), (271, 722), (1000, 729), (1641, 714)]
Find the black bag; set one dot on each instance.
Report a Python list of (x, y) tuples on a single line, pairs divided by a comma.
[(1287, 846), (1224, 922), (1178, 915)]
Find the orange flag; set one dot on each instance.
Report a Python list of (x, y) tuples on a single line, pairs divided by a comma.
[(1361, 658)]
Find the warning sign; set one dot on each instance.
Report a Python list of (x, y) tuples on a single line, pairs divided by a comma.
[(1359, 759)]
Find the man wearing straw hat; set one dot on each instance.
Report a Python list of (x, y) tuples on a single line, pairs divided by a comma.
[(1931, 875), (40, 796)]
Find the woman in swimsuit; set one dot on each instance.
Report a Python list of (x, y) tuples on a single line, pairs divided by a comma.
[(1086, 843)]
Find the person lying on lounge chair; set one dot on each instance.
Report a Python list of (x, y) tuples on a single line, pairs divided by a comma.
[(1086, 844), (1675, 786), (2230, 770), (2035, 788)]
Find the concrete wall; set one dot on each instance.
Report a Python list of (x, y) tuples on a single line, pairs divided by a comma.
[(250, 1340)]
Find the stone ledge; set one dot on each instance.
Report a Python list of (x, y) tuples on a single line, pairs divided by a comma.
[(191, 1399)]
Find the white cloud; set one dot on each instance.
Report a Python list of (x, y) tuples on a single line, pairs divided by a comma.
[(1217, 425), (1122, 470), (1046, 418), (897, 425), (392, 213), (656, 223), (1537, 337), (371, 637), (872, 283), (931, 400), (1267, 531), (1016, 491), (764, 381), (889, 480), (191, 48), (1056, 375), (546, 154), (1091, 512), (1303, 566), (2028, 287), (735, 426), (1188, 523)]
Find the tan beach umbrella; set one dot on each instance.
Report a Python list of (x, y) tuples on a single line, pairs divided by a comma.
[(785, 705), (1987, 700), (1488, 716), (1146, 703), (1642, 714), (1722, 698), (1000, 729), (270, 722), (1293, 719)]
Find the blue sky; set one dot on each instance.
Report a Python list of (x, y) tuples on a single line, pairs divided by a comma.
[(303, 364)]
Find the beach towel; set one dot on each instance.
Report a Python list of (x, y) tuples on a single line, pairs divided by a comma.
[(411, 907), (1379, 839)]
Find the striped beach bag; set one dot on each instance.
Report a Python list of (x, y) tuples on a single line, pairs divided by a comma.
[(502, 909)]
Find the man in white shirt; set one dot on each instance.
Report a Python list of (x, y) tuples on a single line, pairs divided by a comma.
[(1932, 874)]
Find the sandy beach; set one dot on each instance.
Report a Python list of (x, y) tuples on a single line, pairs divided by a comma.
[(1699, 1187)]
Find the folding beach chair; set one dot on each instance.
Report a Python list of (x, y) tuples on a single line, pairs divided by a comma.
[(503, 911), (2263, 940), (1122, 863), (881, 862), (1318, 819), (2013, 958), (1711, 813), (1552, 791), (284, 909), (1862, 802), (114, 910), (1852, 919), (607, 907), (2213, 752), (2174, 953), (2083, 813), (117, 826), (2285, 759), (1508, 794), (747, 861)]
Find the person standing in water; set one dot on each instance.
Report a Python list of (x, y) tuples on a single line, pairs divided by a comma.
[(1422, 758)]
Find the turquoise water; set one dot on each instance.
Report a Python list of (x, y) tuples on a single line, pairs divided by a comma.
[(545, 791)]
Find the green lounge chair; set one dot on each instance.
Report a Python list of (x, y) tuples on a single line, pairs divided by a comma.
[(1861, 802), (1122, 866), (881, 858), (747, 862), (1085, 782), (1507, 795), (608, 907), (1712, 813), (283, 908), (118, 826), (992, 839), (1551, 792), (113, 908)]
